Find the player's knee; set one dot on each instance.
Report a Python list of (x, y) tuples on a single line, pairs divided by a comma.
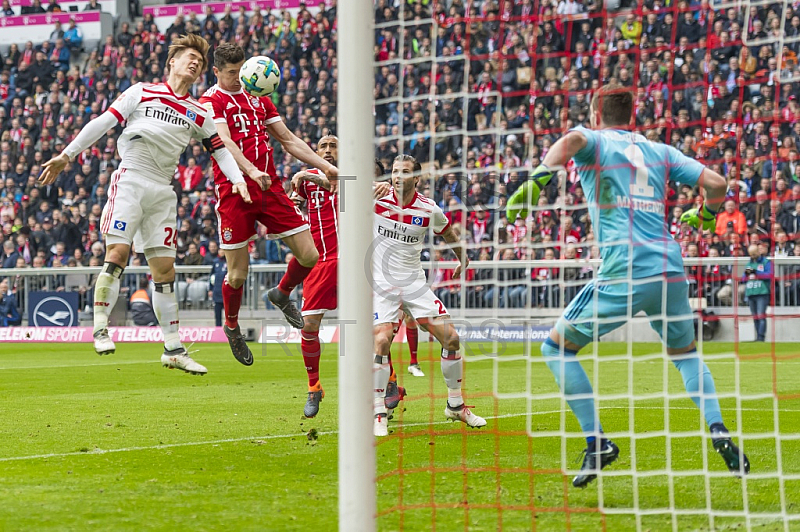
[(383, 344), (452, 341), (309, 257), (311, 326), (235, 281)]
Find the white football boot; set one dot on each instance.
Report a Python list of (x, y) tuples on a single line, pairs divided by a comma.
[(381, 427), (414, 370), (103, 345), (179, 359), (464, 414)]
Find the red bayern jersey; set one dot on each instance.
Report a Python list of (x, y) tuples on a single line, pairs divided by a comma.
[(323, 217), (247, 118)]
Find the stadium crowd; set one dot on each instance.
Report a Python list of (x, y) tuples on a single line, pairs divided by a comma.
[(530, 71)]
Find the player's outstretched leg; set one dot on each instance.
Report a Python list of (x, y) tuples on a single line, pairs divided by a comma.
[(572, 380), (175, 354), (106, 292), (380, 375), (310, 347), (452, 371), (305, 257), (412, 335), (232, 301), (700, 386)]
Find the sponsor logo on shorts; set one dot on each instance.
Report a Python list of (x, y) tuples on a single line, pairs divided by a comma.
[(120, 225), (227, 234)]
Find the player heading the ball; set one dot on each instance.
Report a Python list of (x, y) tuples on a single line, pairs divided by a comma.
[(245, 124)]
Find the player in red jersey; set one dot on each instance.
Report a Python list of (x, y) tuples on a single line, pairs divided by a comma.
[(245, 125), (319, 288)]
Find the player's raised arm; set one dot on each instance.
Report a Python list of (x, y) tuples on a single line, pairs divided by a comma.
[(527, 196), (687, 170), (303, 152), (117, 113), (247, 166)]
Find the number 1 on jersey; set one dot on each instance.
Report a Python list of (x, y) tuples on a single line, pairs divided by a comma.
[(641, 183)]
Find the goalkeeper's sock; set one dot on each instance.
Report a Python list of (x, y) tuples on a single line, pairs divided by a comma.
[(572, 380), (412, 335), (106, 292), (380, 379), (694, 371), (453, 371), (165, 306)]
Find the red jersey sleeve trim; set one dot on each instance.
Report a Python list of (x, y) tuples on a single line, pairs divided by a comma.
[(117, 114), (445, 228)]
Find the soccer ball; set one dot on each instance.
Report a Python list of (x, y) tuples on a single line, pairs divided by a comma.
[(260, 76)]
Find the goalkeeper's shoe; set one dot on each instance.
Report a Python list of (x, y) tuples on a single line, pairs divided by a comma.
[(179, 359), (594, 460), (238, 345), (527, 195), (464, 414), (103, 345), (702, 217), (381, 426), (315, 395), (735, 459), (285, 305)]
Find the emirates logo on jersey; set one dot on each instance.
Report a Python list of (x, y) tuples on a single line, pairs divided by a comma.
[(227, 234)]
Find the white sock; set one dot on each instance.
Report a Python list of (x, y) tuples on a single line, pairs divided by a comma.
[(380, 378), (165, 306), (452, 371), (106, 292)]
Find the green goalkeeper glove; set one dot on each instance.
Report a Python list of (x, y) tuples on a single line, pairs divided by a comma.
[(527, 195), (701, 217)]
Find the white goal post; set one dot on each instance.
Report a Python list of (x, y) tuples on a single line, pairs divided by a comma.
[(357, 500)]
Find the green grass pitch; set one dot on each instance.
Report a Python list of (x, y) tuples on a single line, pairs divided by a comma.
[(120, 443)]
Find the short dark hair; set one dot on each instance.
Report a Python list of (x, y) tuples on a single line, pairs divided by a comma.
[(406, 158), (615, 104), (228, 54)]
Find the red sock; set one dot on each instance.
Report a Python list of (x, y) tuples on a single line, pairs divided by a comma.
[(295, 273), (412, 335), (309, 345), (231, 300), (391, 367)]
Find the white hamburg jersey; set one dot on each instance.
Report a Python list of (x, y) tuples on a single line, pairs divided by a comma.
[(399, 236), (159, 126)]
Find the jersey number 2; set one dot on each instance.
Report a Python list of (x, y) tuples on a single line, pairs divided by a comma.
[(171, 241), (641, 184)]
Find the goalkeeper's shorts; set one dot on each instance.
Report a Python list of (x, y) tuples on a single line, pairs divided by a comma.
[(603, 306)]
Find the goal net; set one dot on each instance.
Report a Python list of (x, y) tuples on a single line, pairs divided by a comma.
[(478, 92)]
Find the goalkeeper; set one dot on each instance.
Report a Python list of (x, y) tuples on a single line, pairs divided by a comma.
[(624, 177)]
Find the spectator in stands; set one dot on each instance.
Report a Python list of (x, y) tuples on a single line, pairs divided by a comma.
[(73, 37), (9, 313), (731, 219), (758, 278)]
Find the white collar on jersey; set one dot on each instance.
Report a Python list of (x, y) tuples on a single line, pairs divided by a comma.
[(220, 89)]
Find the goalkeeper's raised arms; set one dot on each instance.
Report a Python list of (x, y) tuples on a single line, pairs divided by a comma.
[(704, 217)]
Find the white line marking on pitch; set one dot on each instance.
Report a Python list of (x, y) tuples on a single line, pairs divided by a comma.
[(322, 433)]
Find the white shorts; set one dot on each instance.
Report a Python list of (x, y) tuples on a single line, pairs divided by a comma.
[(142, 212), (416, 299)]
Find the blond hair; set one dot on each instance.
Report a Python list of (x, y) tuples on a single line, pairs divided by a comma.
[(189, 42)]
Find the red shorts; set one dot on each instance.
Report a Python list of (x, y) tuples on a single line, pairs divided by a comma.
[(272, 208), (319, 288)]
